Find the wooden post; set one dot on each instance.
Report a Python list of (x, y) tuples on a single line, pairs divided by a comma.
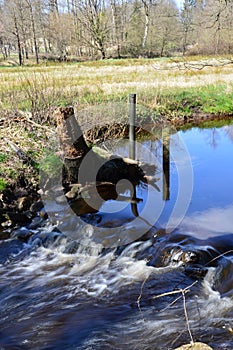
[(132, 115)]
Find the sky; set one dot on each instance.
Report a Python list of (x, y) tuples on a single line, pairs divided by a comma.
[(179, 3)]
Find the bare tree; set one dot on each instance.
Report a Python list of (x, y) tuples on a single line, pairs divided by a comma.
[(95, 23), (33, 27), (187, 22), (11, 22), (147, 4), (115, 25), (166, 35), (23, 14), (16, 33), (93, 28)]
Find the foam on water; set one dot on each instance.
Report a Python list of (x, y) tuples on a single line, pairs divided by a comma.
[(48, 278)]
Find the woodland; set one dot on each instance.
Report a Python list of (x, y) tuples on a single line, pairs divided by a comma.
[(69, 30)]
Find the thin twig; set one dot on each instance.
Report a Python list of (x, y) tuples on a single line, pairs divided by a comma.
[(28, 119), (182, 291), (170, 293), (172, 303), (219, 256), (186, 317), (140, 297)]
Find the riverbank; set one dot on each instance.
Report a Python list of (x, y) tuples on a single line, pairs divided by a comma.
[(182, 93), (27, 149)]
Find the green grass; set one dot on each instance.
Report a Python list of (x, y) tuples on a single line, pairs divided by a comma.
[(3, 157), (3, 184), (210, 99)]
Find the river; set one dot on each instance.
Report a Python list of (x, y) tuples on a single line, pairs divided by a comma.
[(119, 280)]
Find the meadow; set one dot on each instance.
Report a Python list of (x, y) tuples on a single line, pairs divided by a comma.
[(171, 87)]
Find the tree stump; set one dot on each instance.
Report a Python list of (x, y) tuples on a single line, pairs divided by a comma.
[(72, 143)]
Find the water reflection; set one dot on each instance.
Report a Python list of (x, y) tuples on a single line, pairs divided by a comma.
[(157, 159), (229, 131), (212, 137), (210, 151), (209, 223), (189, 186), (166, 163)]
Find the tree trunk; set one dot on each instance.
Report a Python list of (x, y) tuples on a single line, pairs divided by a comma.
[(33, 31), (18, 40), (42, 26), (103, 55), (68, 6), (23, 31), (147, 22), (115, 26)]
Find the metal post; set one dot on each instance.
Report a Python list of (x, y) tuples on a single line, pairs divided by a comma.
[(132, 115), (166, 163)]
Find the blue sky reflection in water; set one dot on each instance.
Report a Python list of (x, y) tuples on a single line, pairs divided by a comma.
[(201, 186), (211, 207)]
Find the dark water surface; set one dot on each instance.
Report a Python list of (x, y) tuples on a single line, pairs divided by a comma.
[(104, 282)]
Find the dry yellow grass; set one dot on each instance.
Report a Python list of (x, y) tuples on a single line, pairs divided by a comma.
[(104, 80)]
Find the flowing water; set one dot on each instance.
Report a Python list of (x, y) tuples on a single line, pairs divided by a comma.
[(143, 274)]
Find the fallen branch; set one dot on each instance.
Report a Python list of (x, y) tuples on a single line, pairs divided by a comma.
[(183, 292), (186, 65), (28, 118), (25, 158)]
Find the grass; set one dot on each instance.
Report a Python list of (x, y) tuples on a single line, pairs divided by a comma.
[(162, 85), (210, 99), (3, 184)]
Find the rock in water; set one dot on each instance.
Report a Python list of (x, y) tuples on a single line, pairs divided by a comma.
[(22, 234), (20, 218), (194, 346), (24, 203), (37, 206)]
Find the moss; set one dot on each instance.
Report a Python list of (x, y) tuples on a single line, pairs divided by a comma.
[(50, 165)]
